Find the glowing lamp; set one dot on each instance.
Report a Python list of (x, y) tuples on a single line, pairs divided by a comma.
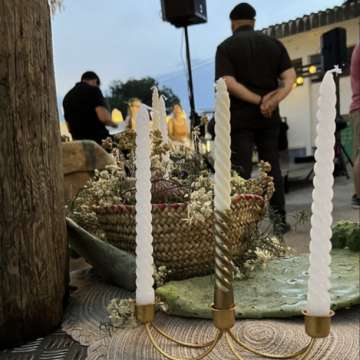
[(116, 116), (208, 146), (299, 80), (312, 69)]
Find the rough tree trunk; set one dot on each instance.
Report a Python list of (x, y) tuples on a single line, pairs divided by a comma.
[(33, 249)]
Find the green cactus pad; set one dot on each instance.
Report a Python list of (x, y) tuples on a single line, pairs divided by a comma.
[(353, 241), (278, 291)]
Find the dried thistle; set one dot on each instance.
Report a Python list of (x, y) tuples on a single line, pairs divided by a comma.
[(160, 275), (122, 313)]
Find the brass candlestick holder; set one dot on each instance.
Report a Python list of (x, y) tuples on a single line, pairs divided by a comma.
[(224, 320), (223, 311)]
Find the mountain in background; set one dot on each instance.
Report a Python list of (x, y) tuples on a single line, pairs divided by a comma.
[(203, 79)]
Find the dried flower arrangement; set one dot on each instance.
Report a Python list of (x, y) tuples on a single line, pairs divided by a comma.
[(184, 179)]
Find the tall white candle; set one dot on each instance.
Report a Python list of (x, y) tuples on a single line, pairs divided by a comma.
[(222, 188), (156, 109), (222, 185), (144, 260), (164, 129), (163, 122), (318, 298)]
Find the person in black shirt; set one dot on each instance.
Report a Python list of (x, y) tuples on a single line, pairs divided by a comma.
[(259, 75), (85, 110)]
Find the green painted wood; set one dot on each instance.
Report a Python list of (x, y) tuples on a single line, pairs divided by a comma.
[(276, 292)]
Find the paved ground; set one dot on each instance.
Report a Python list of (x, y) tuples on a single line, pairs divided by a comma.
[(300, 199)]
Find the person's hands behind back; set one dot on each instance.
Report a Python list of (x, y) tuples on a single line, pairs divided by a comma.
[(269, 103), (272, 100)]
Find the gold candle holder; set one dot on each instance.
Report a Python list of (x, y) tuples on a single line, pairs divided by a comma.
[(318, 327), (224, 320), (223, 311), (145, 313)]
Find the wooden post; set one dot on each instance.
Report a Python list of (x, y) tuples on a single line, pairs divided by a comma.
[(33, 245)]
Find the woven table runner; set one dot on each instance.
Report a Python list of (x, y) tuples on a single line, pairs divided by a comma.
[(87, 312)]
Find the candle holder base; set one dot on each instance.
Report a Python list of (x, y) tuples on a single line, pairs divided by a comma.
[(318, 327), (224, 320), (145, 313)]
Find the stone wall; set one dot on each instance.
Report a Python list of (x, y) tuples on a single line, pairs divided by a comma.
[(80, 159)]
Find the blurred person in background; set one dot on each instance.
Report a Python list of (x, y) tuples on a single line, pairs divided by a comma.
[(134, 105), (85, 110), (178, 126), (355, 119), (259, 74)]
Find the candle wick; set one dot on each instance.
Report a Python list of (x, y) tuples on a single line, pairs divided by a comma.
[(336, 70)]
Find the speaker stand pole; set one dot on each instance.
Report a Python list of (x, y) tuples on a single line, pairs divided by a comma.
[(337, 84), (193, 115)]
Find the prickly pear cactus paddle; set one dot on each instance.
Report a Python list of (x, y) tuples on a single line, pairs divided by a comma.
[(278, 291)]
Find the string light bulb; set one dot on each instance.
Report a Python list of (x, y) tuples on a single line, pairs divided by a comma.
[(312, 69), (300, 81)]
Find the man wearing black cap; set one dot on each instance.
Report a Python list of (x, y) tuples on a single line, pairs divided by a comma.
[(85, 111), (259, 75)]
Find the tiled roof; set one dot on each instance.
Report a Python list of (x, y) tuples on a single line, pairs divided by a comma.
[(348, 10)]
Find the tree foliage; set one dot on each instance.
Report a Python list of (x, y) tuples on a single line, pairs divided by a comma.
[(122, 92)]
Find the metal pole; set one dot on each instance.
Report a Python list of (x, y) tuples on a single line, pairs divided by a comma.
[(190, 80), (337, 83)]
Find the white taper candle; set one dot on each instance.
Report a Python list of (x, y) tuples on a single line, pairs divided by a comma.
[(144, 260), (222, 187), (156, 108), (163, 122), (222, 184), (318, 298)]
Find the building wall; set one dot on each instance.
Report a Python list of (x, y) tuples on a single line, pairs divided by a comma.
[(301, 106), (64, 129)]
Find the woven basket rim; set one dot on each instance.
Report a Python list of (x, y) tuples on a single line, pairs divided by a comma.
[(234, 200)]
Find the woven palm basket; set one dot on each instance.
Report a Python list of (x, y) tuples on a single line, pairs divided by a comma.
[(185, 248)]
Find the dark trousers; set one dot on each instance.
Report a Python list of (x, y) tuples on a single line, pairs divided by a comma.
[(266, 141)]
